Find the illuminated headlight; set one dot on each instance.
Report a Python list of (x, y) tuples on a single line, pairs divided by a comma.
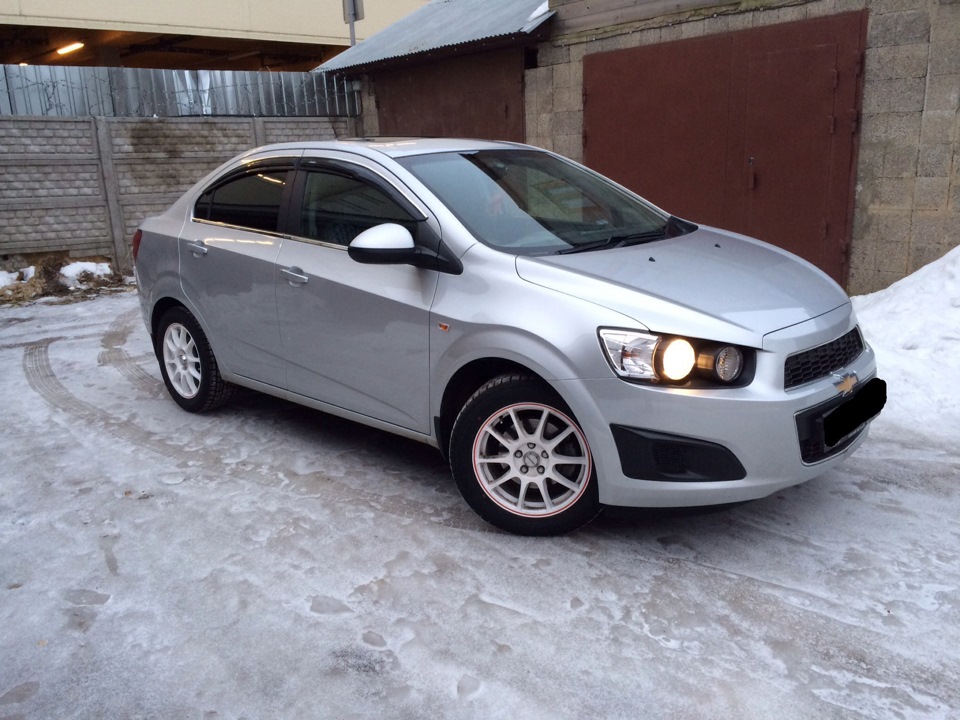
[(658, 358), (677, 359)]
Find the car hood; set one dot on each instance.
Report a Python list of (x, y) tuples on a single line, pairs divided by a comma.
[(709, 284)]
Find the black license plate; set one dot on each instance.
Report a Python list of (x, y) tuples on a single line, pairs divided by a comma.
[(865, 404)]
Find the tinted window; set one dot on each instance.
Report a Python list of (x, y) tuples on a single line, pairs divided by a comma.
[(251, 201), (337, 208)]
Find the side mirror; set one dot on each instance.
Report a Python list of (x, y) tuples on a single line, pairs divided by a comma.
[(386, 244)]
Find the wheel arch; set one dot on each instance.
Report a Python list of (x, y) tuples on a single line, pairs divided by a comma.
[(463, 384), (160, 308)]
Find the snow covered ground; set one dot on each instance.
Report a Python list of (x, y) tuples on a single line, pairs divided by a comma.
[(268, 561)]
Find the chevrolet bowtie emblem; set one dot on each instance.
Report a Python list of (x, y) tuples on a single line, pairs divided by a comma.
[(846, 383)]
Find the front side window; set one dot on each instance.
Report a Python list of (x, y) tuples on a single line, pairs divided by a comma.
[(529, 202), (250, 201), (337, 208)]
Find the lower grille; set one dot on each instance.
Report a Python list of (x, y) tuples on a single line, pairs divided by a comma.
[(819, 362)]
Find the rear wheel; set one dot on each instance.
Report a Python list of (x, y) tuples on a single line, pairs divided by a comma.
[(521, 460), (187, 363)]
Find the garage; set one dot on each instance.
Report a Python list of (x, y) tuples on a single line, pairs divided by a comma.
[(755, 131)]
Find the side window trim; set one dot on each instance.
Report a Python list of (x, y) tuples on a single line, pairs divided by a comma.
[(353, 172), (267, 165), (361, 174)]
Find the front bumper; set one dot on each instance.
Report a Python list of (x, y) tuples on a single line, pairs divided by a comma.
[(775, 435)]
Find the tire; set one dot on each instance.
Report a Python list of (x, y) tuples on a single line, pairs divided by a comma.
[(187, 363), (521, 460)]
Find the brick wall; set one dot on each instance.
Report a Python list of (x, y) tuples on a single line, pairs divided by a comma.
[(83, 185), (907, 206)]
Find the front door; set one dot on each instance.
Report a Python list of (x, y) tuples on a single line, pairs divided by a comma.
[(341, 322)]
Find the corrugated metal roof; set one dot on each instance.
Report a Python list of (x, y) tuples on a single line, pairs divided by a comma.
[(445, 23)]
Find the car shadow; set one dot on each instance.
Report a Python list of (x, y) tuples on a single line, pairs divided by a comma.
[(306, 421)]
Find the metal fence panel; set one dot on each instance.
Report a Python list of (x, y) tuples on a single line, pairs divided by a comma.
[(137, 92)]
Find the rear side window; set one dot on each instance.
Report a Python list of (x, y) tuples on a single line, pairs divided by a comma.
[(249, 201)]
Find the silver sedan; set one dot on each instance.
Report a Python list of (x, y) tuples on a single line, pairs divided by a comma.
[(566, 344)]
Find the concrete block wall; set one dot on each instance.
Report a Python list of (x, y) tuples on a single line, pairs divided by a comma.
[(51, 187), (908, 186), (294, 130), (83, 185), (907, 205)]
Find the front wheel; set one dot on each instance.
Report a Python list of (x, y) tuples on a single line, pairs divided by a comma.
[(187, 363), (520, 459)]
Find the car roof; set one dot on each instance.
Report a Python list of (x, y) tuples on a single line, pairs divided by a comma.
[(393, 147)]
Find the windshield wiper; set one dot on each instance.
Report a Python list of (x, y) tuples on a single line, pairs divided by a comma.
[(615, 241), (674, 227), (595, 245)]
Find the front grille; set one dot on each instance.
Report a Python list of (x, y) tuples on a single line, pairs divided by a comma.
[(819, 362)]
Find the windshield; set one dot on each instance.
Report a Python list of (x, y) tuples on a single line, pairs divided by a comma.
[(529, 202)]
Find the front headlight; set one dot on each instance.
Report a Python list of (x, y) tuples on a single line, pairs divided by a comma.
[(677, 360), (630, 353)]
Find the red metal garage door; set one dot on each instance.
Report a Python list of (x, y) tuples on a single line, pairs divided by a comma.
[(754, 131)]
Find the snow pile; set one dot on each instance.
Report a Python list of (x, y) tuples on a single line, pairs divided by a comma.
[(71, 273), (49, 278), (914, 327), (11, 278)]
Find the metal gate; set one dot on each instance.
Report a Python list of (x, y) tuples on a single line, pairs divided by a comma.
[(67, 91), (754, 131)]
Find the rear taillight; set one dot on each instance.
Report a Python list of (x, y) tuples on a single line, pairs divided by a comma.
[(137, 237)]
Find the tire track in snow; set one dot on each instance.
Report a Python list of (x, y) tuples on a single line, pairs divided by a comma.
[(114, 355), (29, 343), (10, 322), (42, 378)]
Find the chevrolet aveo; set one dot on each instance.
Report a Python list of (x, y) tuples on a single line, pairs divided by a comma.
[(566, 344)]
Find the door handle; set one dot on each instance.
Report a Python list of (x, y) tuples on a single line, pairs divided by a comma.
[(197, 248), (294, 276)]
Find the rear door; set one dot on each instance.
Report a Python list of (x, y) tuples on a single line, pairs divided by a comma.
[(228, 253), (354, 335)]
